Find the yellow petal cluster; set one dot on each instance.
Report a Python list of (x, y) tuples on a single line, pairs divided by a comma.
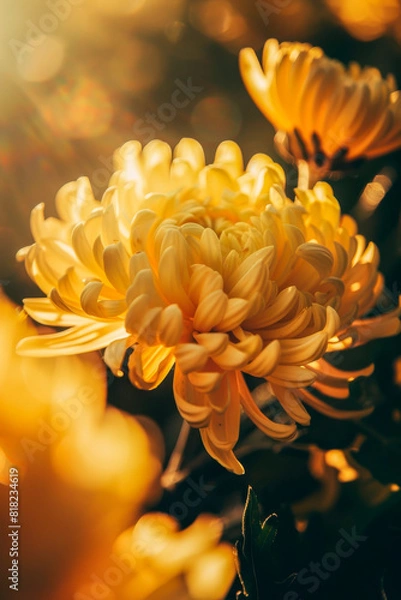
[(155, 560), (326, 114), (210, 268)]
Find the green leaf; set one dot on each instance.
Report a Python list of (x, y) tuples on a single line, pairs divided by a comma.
[(262, 560)]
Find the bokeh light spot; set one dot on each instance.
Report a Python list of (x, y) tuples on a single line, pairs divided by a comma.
[(42, 62), (216, 118)]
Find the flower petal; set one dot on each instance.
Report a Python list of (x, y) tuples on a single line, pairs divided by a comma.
[(191, 403), (76, 340), (148, 366), (291, 404), (223, 456), (44, 311), (329, 411), (190, 357), (278, 431), (210, 311), (265, 361), (171, 325), (292, 376)]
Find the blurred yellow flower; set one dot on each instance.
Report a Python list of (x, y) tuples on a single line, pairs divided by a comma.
[(42, 396), (153, 559), (366, 19), (325, 114), (83, 472), (211, 269)]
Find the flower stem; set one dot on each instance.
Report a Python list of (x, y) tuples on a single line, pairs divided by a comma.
[(172, 474), (303, 175)]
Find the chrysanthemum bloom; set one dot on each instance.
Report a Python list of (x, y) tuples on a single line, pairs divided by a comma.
[(326, 114), (211, 269), (160, 562)]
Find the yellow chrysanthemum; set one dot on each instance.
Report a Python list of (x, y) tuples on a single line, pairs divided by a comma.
[(326, 114), (85, 472), (157, 561), (211, 269)]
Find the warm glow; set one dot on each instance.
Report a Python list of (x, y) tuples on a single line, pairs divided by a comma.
[(221, 21), (149, 15), (84, 473), (366, 19), (165, 562), (44, 61), (4, 467), (347, 475), (210, 575), (114, 452), (34, 390), (301, 525), (77, 108), (338, 460), (375, 192), (220, 113), (397, 371), (183, 296)]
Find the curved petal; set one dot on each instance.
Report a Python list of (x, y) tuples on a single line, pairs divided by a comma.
[(292, 376), (291, 404), (191, 403), (278, 431), (329, 411), (75, 340), (148, 366), (115, 353), (223, 428), (225, 457), (44, 311), (265, 362)]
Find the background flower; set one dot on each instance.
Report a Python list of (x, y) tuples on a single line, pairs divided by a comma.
[(84, 473), (329, 115), (158, 561)]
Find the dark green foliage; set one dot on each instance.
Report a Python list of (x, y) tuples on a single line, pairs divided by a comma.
[(263, 563)]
